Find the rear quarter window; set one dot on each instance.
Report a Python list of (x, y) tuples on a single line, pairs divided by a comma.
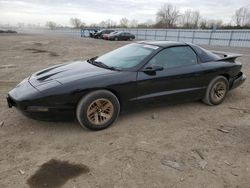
[(205, 55)]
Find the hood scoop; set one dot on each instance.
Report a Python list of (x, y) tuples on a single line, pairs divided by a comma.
[(47, 77), (78, 69), (48, 69)]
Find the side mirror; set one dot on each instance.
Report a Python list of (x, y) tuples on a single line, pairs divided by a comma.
[(153, 69)]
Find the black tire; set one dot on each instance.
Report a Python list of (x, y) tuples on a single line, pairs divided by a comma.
[(84, 106), (130, 38), (212, 98), (116, 38)]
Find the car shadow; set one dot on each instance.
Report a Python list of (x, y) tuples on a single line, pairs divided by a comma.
[(131, 111), (154, 106)]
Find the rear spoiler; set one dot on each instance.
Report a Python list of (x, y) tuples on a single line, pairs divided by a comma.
[(226, 56)]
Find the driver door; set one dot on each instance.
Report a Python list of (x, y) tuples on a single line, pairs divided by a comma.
[(178, 80), (122, 36)]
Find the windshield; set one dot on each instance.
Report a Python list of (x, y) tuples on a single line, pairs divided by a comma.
[(127, 56)]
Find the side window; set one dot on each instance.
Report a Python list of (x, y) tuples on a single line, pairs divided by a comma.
[(174, 57)]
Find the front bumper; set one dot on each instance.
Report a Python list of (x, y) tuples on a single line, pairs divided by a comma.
[(239, 80), (33, 104), (10, 102)]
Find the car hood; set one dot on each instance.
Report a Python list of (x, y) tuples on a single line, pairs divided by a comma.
[(77, 70)]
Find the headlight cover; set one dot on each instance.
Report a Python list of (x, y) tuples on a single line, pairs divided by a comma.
[(48, 85), (22, 82)]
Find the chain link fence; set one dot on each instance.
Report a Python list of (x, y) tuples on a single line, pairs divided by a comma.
[(235, 38), (231, 38)]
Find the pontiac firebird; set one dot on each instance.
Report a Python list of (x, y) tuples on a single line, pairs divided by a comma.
[(96, 90)]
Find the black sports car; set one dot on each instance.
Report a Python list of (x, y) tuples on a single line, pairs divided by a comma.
[(121, 36), (94, 91)]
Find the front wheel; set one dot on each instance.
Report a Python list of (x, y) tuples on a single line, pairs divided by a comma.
[(216, 91), (98, 110)]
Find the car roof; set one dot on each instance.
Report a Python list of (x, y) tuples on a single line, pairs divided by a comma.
[(113, 32), (105, 30), (163, 43)]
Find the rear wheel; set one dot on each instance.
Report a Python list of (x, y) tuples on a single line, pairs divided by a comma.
[(216, 91), (98, 110), (116, 38)]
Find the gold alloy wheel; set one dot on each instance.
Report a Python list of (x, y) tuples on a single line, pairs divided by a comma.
[(218, 91), (100, 111)]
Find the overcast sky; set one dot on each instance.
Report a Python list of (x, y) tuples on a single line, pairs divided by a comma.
[(94, 11)]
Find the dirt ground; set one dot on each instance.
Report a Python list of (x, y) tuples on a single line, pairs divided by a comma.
[(183, 145)]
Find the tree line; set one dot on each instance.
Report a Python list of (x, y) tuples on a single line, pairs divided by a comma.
[(170, 17)]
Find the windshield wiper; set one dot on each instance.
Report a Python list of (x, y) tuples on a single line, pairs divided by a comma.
[(92, 59), (101, 64)]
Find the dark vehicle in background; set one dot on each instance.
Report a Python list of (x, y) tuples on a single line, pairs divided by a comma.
[(96, 90), (99, 34), (121, 36), (7, 31), (92, 33)]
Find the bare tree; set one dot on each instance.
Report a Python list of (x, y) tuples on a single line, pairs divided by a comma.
[(102, 24), (211, 24), (133, 23), (149, 23), (110, 23), (196, 19), (241, 17), (185, 19), (190, 19), (77, 23), (21, 25), (107, 23), (168, 15), (214, 24), (124, 22), (203, 24), (93, 25), (51, 25)]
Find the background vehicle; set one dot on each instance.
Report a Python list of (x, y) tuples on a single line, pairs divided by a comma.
[(94, 91), (121, 36), (92, 33), (7, 31), (100, 33), (106, 36)]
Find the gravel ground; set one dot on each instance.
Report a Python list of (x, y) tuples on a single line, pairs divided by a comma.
[(183, 145)]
